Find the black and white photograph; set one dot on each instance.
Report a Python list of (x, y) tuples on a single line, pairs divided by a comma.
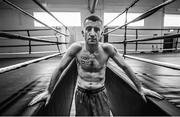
[(89, 58)]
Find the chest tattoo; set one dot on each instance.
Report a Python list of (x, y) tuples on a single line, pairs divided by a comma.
[(88, 60), (85, 60)]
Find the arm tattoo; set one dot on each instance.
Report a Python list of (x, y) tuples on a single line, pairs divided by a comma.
[(115, 50)]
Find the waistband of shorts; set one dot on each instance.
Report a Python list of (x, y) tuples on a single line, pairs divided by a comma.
[(91, 90)]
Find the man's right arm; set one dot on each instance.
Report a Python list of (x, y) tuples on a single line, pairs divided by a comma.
[(65, 60)]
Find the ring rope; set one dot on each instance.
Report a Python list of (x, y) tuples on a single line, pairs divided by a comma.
[(22, 53), (132, 50), (164, 64), (28, 14), (157, 38), (143, 16), (12, 36), (44, 37), (117, 35), (140, 43), (5, 46), (16, 30), (131, 5), (167, 29), (146, 50), (40, 5), (150, 39), (20, 65)]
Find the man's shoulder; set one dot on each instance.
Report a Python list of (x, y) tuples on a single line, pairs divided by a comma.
[(107, 46), (76, 45), (109, 49), (74, 48)]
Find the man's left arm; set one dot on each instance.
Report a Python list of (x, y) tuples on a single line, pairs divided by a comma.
[(118, 59), (115, 55)]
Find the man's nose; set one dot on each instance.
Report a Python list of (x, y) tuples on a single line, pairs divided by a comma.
[(92, 32)]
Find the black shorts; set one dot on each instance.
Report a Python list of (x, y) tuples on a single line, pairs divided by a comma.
[(92, 102)]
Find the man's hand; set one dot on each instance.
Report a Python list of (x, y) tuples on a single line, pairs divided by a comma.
[(149, 92), (44, 96), (142, 94)]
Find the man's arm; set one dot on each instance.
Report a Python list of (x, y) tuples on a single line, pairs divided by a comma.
[(65, 60), (115, 55), (129, 72)]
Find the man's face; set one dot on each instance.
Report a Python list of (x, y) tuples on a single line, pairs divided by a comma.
[(92, 31)]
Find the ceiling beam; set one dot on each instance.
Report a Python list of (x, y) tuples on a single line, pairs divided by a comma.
[(92, 5)]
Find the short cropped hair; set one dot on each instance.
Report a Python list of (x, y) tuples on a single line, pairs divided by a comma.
[(93, 18)]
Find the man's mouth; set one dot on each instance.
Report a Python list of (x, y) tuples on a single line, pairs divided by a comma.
[(92, 41)]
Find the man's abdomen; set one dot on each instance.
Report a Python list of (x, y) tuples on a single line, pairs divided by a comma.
[(91, 80)]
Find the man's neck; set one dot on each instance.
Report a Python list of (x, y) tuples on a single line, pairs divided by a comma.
[(92, 47)]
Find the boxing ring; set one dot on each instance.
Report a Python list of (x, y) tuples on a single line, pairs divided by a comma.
[(62, 37)]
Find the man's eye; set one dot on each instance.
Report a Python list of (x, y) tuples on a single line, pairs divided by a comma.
[(96, 29), (88, 29)]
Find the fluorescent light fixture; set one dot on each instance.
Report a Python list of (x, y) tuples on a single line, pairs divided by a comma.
[(67, 18)]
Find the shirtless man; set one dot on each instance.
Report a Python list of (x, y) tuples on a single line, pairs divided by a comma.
[(91, 58)]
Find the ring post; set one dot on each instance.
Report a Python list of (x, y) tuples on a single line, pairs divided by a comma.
[(125, 32), (136, 39), (29, 42)]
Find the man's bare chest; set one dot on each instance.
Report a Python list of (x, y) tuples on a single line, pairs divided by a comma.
[(91, 61)]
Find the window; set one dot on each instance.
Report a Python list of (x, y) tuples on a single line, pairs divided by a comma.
[(171, 20), (121, 19), (67, 18)]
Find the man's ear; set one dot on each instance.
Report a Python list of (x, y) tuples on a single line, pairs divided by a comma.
[(82, 33)]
